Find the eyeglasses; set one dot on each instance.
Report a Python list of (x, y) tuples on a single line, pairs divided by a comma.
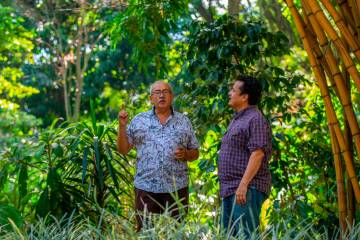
[(159, 92)]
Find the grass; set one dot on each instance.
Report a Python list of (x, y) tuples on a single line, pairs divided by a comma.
[(159, 227)]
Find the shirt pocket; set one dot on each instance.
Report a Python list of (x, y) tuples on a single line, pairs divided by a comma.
[(239, 137), (139, 136), (181, 137)]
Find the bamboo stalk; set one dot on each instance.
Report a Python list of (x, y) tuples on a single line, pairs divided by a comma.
[(350, 203), (339, 179), (313, 26), (346, 12), (325, 24), (340, 85), (333, 121), (358, 18), (345, 31), (355, 12), (318, 53), (331, 116), (349, 193)]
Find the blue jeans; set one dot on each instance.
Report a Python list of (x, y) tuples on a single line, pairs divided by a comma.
[(235, 217)]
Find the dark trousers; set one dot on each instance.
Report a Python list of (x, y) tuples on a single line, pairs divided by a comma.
[(150, 202), (236, 218)]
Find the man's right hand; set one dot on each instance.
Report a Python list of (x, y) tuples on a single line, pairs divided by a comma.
[(123, 116)]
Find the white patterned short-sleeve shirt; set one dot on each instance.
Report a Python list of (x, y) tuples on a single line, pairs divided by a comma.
[(157, 169)]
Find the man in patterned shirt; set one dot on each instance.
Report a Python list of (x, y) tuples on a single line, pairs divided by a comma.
[(164, 140), (243, 169)]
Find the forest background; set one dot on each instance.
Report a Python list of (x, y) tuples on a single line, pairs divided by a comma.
[(66, 67)]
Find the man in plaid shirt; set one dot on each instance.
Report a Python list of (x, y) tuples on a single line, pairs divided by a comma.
[(243, 169)]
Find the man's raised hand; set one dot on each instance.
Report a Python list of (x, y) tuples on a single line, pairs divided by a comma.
[(123, 116)]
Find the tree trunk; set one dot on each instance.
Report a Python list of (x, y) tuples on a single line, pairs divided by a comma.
[(233, 7), (204, 13), (272, 11)]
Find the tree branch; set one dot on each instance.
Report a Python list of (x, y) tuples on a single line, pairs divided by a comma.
[(205, 13)]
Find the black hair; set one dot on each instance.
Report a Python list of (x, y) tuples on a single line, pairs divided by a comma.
[(252, 87)]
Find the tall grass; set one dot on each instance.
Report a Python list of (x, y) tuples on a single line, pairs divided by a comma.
[(160, 227)]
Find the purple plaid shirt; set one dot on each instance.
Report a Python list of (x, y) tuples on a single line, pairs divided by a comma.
[(247, 132)]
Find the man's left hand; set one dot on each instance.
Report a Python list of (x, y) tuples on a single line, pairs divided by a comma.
[(241, 194), (180, 153)]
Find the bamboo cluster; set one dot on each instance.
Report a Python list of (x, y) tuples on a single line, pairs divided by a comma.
[(331, 37)]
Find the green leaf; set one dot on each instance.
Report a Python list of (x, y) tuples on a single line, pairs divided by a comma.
[(53, 180), (43, 205), (4, 175), (39, 152), (115, 195), (100, 131), (23, 179), (8, 212), (58, 150), (110, 167), (92, 114), (99, 169), (84, 164)]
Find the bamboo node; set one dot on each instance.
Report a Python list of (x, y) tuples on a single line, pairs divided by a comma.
[(336, 74), (318, 10), (325, 96), (345, 150), (350, 66), (341, 2), (356, 134), (320, 56), (332, 124), (353, 177), (291, 5), (327, 47), (339, 20)]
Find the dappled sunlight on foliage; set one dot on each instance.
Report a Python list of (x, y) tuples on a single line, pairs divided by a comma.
[(66, 69), (15, 49)]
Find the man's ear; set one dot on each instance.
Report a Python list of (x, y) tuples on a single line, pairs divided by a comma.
[(245, 96)]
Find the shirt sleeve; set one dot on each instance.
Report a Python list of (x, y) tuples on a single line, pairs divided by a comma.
[(192, 140), (260, 135), (130, 132)]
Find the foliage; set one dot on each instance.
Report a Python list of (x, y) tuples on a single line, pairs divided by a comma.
[(220, 50), (301, 148), (8, 214), (69, 33), (15, 50), (15, 126), (147, 24), (76, 169)]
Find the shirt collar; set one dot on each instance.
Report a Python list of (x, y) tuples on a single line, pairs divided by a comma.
[(171, 108), (242, 112)]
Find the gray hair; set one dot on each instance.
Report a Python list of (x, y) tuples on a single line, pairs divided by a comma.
[(160, 81)]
